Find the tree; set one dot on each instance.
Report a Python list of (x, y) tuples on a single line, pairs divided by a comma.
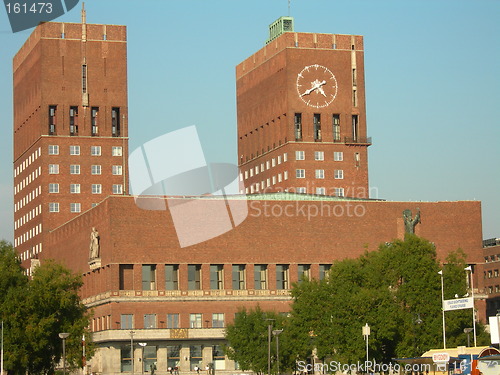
[(35, 311)]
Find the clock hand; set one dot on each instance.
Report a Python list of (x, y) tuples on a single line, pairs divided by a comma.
[(322, 92)]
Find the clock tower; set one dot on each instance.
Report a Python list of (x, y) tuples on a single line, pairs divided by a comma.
[(302, 115)]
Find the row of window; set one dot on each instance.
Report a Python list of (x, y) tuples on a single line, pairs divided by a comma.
[(53, 119), (94, 150), (28, 216), (238, 272), (490, 274), (30, 159), (25, 255), (28, 235), (76, 188), (27, 198), (492, 258), (319, 155), (338, 174), (172, 321), (268, 165), (116, 170), (490, 289), (316, 120), (27, 180)]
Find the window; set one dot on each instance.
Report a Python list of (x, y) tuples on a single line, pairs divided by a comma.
[(336, 127), (194, 276), (300, 173), (298, 126), (354, 98), (115, 122), (282, 276), (125, 359), (285, 157), (338, 156), (74, 169), (148, 277), (53, 168), (126, 277), (260, 276), (216, 276), (117, 189), (150, 321), (75, 207), (217, 320), (304, 271), (94, 121), (301, 190), (74, 150), (357, 159), (149, 357), (52, 119), (195, 356), (53, 207), (317, 126), (355, 128), (195, 321), (116, 170), (218, 357), (84, 78), (319, 155), (95, 150), (171, 276), (323, 271), (173, 356), (73, 120), (172, 321), (96, 188), (53, 188), (74, 188), (300, 155), (53, 150), (116, 151), (239, 276), (339, 192), (339, 174), (96, 169), (320, 173), (127, 321), (320, 191)]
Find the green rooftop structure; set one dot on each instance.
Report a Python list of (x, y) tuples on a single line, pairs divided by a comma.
[(280, 26)]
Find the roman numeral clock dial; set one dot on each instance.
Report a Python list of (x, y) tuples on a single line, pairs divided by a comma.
[(316, 86)]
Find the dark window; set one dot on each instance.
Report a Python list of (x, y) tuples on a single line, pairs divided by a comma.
[(282, 276), (94, 120), (216, 276), (336, 127), (298, 126), (52, 119), (317, 126), (194, 279), (73, 120), (172, 320), (304, 271), (125, 359), (126, 277), (238, 276), (115, 122), (195, 356), (355, 126), (323, 271), (127, 321), (260, 276), (173, 356), (171, 276), (149, 357)]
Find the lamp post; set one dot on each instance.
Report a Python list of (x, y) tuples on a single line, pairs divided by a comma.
[(64, 336), (416, 322), (142, 344), (469, 268), (276, 333), (442, 308), (468, 331), (132, 350), (269, 329)]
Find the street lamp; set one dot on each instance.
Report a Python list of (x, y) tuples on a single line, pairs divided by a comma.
[(64, 336), (276, 333), (442, 308), (142, 344)]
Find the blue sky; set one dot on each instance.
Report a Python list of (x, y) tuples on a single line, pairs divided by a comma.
[(432, 84)]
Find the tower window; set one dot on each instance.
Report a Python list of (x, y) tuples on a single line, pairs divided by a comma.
[(52, 119), (84, 79), (115, 122), (336, 127), (317, 126), (94, 121), (355, 125), (73, 120), (298, 126)]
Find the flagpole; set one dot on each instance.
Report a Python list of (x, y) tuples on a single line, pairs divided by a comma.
[(442, 308), (469, 268)]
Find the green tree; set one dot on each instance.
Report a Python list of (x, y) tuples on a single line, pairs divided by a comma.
[(35, 311)]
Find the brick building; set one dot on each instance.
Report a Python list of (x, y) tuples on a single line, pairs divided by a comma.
[(301, 99), (71, 115)]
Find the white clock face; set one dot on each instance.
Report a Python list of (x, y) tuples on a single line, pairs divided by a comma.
[(316, 86)]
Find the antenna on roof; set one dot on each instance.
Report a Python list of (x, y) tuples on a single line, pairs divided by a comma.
[(84, 14)]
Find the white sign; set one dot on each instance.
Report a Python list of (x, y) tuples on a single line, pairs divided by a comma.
[(494, 333), (458, 304), (441, 357)]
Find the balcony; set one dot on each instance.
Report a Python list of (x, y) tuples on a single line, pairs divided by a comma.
[(358, 141)]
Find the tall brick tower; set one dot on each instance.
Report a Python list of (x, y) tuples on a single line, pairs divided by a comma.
[(70, 126), (301, 114)]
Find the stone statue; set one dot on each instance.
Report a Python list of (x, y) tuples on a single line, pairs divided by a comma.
[(411, 223), (94, 244)]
